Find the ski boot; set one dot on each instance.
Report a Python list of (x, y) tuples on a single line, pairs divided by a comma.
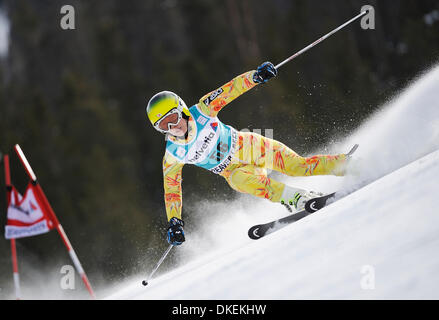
[(296, 198)]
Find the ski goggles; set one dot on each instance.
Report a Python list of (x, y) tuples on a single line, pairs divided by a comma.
[(172, 117)]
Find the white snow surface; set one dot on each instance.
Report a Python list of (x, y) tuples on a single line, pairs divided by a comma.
[(381, 241)]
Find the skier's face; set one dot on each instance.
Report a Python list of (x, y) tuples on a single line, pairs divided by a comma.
[(179, 129)]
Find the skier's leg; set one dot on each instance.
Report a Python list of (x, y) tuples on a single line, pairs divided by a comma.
[(253, 180), (261, 152), (271, 154)]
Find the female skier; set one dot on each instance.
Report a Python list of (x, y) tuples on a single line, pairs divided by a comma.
[(196, 136)]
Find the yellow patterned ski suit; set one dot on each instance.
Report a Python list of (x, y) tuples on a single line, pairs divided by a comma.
[(255, 154)]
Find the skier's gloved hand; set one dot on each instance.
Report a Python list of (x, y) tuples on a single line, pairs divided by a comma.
[(265, 72), (175, 234)]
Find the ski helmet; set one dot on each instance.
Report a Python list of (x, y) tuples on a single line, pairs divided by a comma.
[(163, 104)]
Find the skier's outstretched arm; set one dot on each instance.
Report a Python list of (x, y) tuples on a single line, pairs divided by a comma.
[(172, 179), (214, 101)]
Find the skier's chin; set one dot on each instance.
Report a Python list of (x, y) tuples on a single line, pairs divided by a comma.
[(177, 133)]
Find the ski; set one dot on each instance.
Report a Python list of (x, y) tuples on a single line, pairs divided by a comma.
[(260, 230), (311, 206), (317, 203)]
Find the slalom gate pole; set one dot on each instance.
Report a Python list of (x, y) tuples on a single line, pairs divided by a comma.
[(145, 282), (16, 275), (320, 39), (59, 227)]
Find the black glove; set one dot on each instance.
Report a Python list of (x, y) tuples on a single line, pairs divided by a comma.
[(265, 72), (175, 234)]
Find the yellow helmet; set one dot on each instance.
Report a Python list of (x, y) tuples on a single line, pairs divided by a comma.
[(162, 104)]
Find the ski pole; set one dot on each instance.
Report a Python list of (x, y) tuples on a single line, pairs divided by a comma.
[(145, 282), (320, 39)]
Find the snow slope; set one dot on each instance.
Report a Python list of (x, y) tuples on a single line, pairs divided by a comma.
[(379, 242)]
